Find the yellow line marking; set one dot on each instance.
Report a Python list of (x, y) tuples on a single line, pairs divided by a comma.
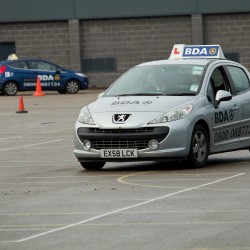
[(122, 180)]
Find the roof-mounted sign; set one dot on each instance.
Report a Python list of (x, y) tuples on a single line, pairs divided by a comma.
[(196, 51), (12, 57)]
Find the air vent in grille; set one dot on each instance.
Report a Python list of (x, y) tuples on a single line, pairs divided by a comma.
[(139, 144), (121, 131)]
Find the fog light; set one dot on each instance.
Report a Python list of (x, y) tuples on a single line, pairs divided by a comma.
[(153, 144), (86, 144)]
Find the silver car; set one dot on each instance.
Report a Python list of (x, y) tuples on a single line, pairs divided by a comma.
[(194, 104)]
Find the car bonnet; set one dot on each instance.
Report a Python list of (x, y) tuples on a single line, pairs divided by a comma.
[(141, 109)]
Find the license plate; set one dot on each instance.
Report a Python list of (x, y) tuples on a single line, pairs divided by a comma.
[(119, 153)]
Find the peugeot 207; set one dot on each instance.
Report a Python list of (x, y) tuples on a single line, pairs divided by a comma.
[(192, 105)]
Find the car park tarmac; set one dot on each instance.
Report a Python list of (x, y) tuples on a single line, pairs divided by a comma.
[(48, 201)]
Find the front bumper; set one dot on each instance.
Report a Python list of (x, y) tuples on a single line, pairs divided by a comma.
[(122, 138), (174, 141)]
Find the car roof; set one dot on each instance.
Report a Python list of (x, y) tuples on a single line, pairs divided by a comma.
[(177, 61), (192, 55), (25, 59), (201, 62)]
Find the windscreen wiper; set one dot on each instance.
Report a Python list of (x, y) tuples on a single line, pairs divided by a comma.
[(142, 94), (181, 94)]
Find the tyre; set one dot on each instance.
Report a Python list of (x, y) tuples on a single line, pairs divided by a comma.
[(199, 147), (62, 91), (10, 88), (93, 165), (72, 86)]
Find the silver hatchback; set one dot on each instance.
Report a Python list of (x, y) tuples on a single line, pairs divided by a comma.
[(194, 104)]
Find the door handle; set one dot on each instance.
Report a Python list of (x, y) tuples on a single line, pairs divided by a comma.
[(235, 108)]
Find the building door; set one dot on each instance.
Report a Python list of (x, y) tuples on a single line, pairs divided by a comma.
[(6, 49)]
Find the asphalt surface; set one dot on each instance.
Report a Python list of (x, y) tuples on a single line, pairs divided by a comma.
[(48, 201)]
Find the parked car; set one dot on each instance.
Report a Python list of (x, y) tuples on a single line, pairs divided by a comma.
[(192, 105), (21, 75)]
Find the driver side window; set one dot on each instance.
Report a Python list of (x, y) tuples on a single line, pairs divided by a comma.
[(210, 92), (218, 81), (240, 79)]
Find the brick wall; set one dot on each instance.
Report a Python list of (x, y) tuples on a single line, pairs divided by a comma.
[(130, 41), (231, 31), (44, 40)]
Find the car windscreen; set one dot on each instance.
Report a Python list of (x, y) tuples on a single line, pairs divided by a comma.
[(159, 80)]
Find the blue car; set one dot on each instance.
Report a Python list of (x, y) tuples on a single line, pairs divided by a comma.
[(21, 75)]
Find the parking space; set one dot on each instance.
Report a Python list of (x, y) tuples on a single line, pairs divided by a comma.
[(48, 201)]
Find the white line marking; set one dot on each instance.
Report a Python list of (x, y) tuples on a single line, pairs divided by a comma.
[(27, 135), (30, 145), (120, 210)]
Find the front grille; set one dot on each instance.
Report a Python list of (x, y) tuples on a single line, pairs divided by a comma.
[(120, 131), (139, 144), (122, 138)]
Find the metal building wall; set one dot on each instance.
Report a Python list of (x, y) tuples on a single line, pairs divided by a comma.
[(48, 10)]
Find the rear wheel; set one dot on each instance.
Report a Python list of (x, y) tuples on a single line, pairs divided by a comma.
[(93, 165), (72, 86), (10, 88), (199, 147)]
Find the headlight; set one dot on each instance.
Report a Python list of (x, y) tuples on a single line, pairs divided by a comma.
[(85, 117), (173, 115), (81, 74)]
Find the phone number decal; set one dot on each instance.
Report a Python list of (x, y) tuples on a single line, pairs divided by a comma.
[(232, 133), (43, 84)]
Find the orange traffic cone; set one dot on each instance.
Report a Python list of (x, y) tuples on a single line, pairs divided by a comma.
[(21, 106), (39, 91)]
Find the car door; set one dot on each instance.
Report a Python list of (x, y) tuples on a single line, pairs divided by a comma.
[(225, 119), (22, 75), (47, 72), (241, 83)]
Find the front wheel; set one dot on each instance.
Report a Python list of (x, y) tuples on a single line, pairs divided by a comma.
[(10, 88), (62, 91), (72, 86), (199, 147), (93, 165)]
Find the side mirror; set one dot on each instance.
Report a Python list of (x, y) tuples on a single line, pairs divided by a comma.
[(58, 70), (221, 96)]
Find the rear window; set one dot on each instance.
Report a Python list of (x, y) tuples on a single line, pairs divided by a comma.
[(42, 66), (18, 65)]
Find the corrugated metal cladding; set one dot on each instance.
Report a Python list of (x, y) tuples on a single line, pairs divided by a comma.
[(104, 38), (41, 10)]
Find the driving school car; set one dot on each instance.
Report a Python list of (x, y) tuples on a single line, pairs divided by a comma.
[(192, 105), (21, 75)]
